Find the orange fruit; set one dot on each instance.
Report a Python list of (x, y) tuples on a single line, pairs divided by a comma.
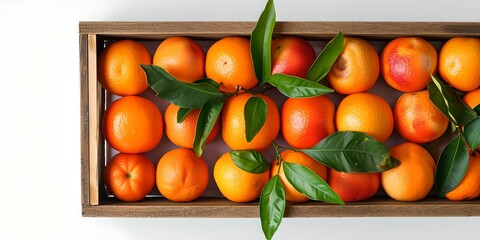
[(132, 124), (459, 63), (229, 62), (356, 69), (306, 121), (182, 57), (181, 175), (417, 119), (233, 123), (236, 184), (354, 187), (291, 156), (119, 70), (292, 56), (472, 99), (407, 63), (182, 134), (413, 179), (129, 176), (367, 113), (469, 187)]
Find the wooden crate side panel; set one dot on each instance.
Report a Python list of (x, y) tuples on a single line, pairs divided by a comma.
[(92, 119), (84, 133), (96, 142), (221, 207), (92, 143)]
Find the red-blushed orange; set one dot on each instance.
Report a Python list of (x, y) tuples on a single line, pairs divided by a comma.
[(306, 121)]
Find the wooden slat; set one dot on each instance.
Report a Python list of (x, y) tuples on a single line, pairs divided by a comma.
[(220, 207), (307, 29), (94, 103), (84, 134)]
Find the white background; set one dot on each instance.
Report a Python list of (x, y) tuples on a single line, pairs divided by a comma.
[(40, 120)]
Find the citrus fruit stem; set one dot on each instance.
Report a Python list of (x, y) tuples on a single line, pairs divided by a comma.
[(278, 155), (462, 135), (128, 176)]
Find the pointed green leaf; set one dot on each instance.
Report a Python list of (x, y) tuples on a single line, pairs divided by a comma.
[(182, 114), (272, 206), (472, 133), (255, 115), (352, 152), (260, 42), (295, 87), (326, 59), (449, 103), (452, 166), (186, 95), (206, 120), (250, 161), (310, 184)]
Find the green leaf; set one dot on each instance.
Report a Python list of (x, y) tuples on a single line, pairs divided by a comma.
[(182, 114), (326, 59), (472, 133), (255, 115), (352, 152), (260, 42), (452, 166), (449, 103), (209, 81), (206, 120), (477, 109), (186, 95), (310, 184), (295, 87), (272, 206), (250, 161)]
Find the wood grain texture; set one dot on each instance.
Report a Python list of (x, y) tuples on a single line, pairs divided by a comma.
[(84, 133), (378, 30), (95, 202), (221, 207), (94, 124)]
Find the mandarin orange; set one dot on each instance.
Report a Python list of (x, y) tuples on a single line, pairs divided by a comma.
[(119, 70), (229, 62), (306, 121), (291, 156), (181, 175), (182, 57), (356, 69), (233, 123), (132, 124), (236, 184)]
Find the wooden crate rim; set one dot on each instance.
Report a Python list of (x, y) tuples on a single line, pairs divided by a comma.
[(380, 29)]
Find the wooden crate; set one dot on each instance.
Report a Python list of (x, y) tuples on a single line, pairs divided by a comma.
[(95, 199)]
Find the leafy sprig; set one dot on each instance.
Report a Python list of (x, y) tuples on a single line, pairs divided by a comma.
[(453, 161), (359, 153)]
